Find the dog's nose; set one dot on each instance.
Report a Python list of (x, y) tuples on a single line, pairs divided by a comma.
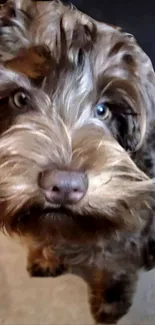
[(64, 187)]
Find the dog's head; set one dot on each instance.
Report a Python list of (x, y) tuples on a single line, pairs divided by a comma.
[(61, 170), (123, 75)]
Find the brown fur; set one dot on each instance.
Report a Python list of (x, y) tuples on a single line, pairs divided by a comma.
[(33, 62)]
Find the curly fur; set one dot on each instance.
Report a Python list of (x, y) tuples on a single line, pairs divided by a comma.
[(67, 63)]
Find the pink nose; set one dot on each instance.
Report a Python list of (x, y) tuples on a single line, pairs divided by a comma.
[(63, 187)]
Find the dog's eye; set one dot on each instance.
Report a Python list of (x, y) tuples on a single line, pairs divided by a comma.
[(102, 111), (20, 99)]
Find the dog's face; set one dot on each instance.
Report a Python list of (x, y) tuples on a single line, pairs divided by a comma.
[(61, 170), (59, 167)]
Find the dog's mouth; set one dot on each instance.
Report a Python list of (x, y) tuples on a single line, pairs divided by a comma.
[(61, 220)]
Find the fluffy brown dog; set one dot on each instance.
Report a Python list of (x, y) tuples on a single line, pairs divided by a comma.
[(68, 186)]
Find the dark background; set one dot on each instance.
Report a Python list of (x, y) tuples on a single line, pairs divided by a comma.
[(134, 16)]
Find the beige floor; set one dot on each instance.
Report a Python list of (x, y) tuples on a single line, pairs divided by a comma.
[(61, 301)]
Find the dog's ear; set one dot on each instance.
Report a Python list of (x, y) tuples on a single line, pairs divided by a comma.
[(34, 62)]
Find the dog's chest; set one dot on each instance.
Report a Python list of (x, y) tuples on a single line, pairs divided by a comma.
[(123, 248)]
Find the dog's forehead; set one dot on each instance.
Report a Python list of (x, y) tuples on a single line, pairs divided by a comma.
[(53, 21), (61, 26)]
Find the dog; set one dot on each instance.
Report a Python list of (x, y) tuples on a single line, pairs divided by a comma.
[(77, 150)]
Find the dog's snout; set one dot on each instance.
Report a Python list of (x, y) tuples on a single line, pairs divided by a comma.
[(64, 187)]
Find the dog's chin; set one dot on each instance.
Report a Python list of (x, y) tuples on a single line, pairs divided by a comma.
[(61, 222)]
